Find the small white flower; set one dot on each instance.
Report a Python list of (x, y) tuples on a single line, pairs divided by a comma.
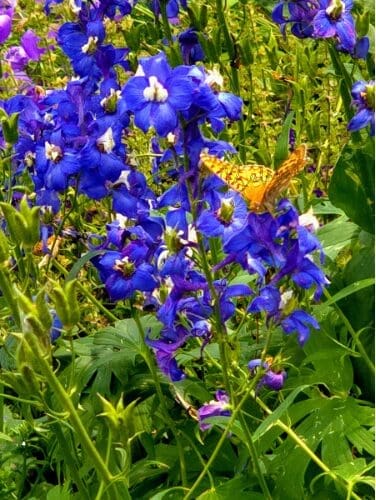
[(309, 221)]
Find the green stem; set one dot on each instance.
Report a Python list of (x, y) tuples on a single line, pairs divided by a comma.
[(152, 368), (74, 418), (165, 22), (70, 462), (255, 461), (10, 296), (300, 442), (108, 454), (220, 328), (87, 294), (1, 408), (221, 440), (353, 334)]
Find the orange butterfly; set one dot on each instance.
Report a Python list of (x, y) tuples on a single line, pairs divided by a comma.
[(259, 185)]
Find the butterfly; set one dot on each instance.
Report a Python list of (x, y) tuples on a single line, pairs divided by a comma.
[(259, 185)]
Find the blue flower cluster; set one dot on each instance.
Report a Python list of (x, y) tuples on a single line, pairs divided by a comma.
[(160, 249), (322, 19), (363, 94)]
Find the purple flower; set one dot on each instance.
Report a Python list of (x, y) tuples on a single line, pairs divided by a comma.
[(219, 408), (363, 94), (300, 15), (190, 46), (156, 93), (29, 42), (124, 274), (165, 350), (334, 19), (272, 379), (268, 301), (5, 27), (226, 216), (301, 323)]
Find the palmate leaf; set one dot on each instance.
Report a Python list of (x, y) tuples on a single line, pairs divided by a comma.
[(111, 351), (243, 486), (352, 186), (330, 427)]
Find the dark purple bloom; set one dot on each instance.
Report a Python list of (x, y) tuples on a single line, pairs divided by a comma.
[(190, 46), (334, 19), (268, 301), (29, 42), (124, 274), (217, 408), (363, 94), (301, 323), (226, 216), (300, 14), (5, 27), (272, 379), (165, 350), (156, 93)]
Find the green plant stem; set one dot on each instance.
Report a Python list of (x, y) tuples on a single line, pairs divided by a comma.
[(74, 418), (152, 368), (10, 296), (1, 408), (87, 294), (220, 333), (108, 454), (221, 441), (165, 22), (70, 462), (255, 461), (300, 442), (353, 334)]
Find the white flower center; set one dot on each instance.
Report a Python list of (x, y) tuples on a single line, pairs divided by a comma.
[(335, 9), (155, 91), (105, 142), (214, 78), (90, 46), (52, 152)]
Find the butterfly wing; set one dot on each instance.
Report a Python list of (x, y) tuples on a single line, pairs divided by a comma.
[(260, 185), (249, 180), (284, 175)]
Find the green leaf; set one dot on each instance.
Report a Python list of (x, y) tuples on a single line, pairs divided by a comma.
[(349, 290), (327, 424), (59, 493), (352, 186), (79, 264), (336, 235), (145, 469), (282, 146), (176, 493), (271, 420), (241, 486)]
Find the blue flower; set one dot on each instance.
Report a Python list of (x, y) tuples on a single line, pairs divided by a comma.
[(299, 322), (217, 408), (124, 274), (225, 217), (165, 349), (156, 94), (334, 19), (363, 94), (190, 46), (301, 14), (272, 378), (268, 301)]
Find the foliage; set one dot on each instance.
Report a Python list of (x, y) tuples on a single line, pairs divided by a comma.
[(163, 336)]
